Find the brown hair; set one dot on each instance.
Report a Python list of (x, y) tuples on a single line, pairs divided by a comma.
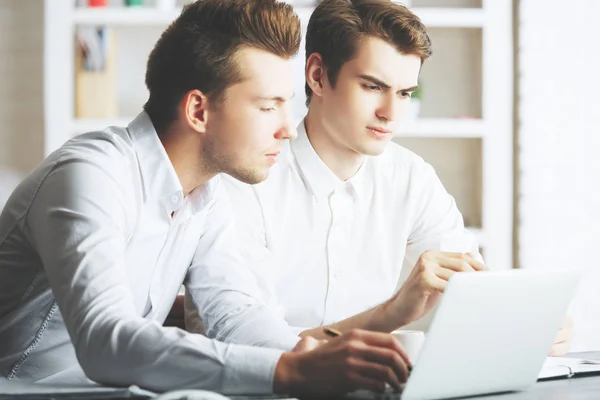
[(336, 27), (197, 51)]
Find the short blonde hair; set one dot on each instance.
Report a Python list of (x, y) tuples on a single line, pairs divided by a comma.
[(197, 51)]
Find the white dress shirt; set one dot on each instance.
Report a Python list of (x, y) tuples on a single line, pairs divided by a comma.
[(94, 246), (327, 249)]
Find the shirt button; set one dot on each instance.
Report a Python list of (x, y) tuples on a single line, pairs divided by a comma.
[(337, 274), (174, 198)]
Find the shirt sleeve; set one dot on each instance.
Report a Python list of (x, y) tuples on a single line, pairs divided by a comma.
[(437, 223), (78, 223), (231, 298)]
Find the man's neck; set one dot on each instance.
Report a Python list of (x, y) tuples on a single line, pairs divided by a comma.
[(185, 157), (342, 161)]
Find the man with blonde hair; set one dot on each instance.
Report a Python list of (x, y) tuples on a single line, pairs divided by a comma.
[(96, 242)]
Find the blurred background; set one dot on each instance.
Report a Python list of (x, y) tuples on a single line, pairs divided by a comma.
[(508, 112)]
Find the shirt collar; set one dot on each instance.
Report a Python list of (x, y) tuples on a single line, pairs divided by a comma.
[(201, 196), (321, 180), (358, 180), (158, 174)]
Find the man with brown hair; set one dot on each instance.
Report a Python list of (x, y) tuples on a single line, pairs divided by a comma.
[(350, 230), (96, 242)]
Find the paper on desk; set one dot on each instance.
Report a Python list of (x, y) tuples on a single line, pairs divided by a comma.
[(555, 367)]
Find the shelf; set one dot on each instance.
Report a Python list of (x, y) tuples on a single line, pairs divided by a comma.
[(451, 17), (441, 128), (124, 16), (432, 17), (419, 128)]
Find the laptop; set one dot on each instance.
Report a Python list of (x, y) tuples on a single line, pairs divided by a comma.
[(491, 333)]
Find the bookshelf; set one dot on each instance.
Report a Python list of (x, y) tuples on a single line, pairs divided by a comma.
[(465, 125), (438, 17)]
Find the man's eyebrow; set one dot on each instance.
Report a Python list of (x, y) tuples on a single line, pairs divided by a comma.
[(375, 81), (410, 89), (276, 98), (385, 85)]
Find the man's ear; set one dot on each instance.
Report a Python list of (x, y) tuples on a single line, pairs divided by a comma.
[(316, 75), (196, 110)]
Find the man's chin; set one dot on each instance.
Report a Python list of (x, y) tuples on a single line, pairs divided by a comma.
[(251, 177), (374, 149)]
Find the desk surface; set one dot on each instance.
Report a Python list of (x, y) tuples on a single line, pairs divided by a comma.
[(561, 389), (585, 388)]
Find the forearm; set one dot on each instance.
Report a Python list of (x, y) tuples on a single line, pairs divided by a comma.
[(380, 318), (142, 353)]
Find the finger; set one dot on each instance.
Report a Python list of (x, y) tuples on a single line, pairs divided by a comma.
[(451, 254), (563, 335), (558, 340), (388, 358), (435, 282), (358, 381), (378, 339), (567, 322), (378, 372), (457, 264), (444, 273), (559, 349), (475, 264)]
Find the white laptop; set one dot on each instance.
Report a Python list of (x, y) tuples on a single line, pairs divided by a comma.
[(491, 333)]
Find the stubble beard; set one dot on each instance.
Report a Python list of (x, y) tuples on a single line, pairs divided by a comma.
[(229, 164)]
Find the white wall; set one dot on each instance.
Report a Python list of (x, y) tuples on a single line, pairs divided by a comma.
[(21, 86), (559, 137)]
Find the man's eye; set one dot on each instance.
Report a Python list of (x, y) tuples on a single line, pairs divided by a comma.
[(267, 109), (371, 87), (406, 94)]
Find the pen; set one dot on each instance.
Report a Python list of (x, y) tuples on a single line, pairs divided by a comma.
[(332, 332)]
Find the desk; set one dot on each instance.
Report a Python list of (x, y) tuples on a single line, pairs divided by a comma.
[(585, 388)]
